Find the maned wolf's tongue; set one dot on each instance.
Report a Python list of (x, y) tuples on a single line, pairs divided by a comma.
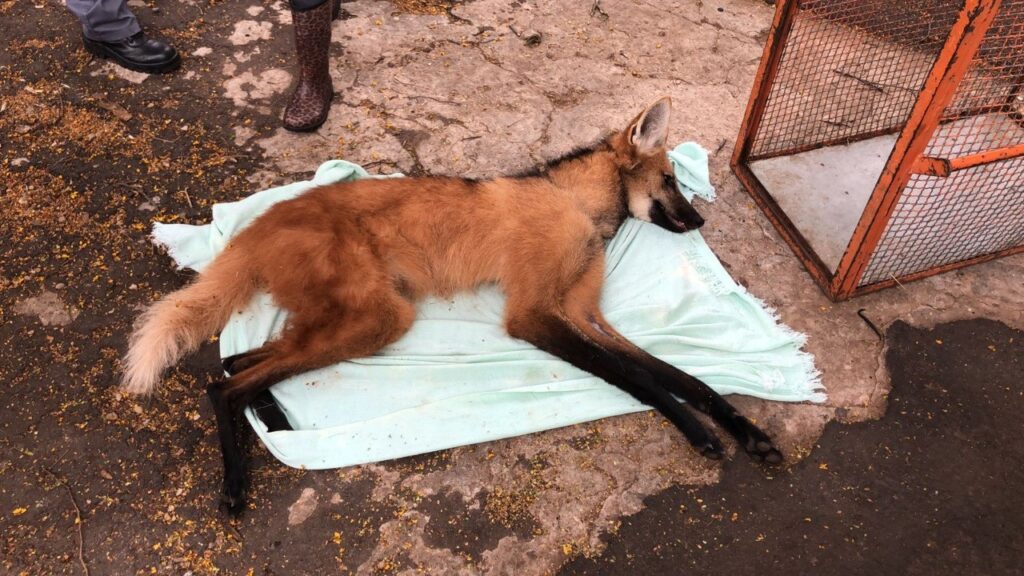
[(676, 221)]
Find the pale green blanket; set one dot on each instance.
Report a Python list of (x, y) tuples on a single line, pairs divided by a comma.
[(456, 378)]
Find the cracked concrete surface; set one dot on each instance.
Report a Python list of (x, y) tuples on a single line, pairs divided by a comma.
[(464, 94), (461, 92)]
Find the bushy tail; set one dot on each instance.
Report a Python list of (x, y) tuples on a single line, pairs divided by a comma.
[(178, 323)]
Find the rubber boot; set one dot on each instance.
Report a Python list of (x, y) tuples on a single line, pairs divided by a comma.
[(311, 100)]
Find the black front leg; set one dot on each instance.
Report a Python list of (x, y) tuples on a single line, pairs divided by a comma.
[(600, 350), (564, 340), (756, 443)]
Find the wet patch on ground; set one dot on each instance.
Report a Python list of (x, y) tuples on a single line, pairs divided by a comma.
[(934, 487)]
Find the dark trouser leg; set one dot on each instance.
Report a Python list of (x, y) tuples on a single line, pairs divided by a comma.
[(105, 20)]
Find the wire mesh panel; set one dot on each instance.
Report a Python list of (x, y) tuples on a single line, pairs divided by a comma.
[(940, 221), (978, 210), (885, 140), (850, 69), (987, 111)]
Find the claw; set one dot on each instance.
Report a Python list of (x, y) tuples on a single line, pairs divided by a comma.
[(233, 504), (711, 452), (233, 495)]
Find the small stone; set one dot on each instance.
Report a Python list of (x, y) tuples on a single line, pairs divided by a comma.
[(150, 205), (19, 162), (110, 417), (302, 508), (133, 286), (106, 475)]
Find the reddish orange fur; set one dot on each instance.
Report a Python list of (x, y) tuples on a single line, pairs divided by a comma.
[(349, 260)]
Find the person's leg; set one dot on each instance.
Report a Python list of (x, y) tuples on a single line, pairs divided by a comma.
[(105, 20), (110, 30), (311, 101)]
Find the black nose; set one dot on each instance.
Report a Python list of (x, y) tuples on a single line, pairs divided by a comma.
[(698, 222)]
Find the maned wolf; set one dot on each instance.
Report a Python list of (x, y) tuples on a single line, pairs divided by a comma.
[(349, 261)]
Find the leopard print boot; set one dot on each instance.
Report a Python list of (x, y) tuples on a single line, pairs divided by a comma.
[(311, 100)]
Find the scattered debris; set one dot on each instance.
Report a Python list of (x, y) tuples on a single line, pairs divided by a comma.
[(78, 519), (117, 110), (529, 36)]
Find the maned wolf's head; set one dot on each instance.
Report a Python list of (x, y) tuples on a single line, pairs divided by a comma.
[(648, 178)]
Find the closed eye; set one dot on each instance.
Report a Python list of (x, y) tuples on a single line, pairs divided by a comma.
[(669, 180)]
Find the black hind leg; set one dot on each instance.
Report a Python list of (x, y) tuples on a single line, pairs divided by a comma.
[(233, 495), (269, 412), (264, 404), (239, 362), (234, 440)]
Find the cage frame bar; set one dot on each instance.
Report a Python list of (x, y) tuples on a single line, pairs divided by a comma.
[(946, 166), (771, 57)]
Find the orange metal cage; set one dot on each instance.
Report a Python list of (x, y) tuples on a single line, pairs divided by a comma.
[(885, 140)]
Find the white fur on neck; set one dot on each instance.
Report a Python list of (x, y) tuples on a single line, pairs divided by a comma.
[(640, 207)]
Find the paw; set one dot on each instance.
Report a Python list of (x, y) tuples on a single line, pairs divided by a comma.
[(233, 504), (241, 362), (712, 449), (759, 445), (706, 443), (764, 451), (232, 498), (229, 363)]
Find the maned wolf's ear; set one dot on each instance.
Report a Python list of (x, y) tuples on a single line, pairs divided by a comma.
[(649, 131)]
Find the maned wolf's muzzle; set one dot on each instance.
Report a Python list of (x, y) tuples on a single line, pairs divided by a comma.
[(679, 217)]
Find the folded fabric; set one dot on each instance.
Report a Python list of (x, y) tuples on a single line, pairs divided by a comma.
[(689, 162), (456, 378)]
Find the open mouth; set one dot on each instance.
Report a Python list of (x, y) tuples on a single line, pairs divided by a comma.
[(663, 218)]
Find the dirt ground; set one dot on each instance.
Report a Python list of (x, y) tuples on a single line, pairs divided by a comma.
[(90, 156)]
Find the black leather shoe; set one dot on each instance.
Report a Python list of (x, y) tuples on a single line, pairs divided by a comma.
[(137, 53)]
